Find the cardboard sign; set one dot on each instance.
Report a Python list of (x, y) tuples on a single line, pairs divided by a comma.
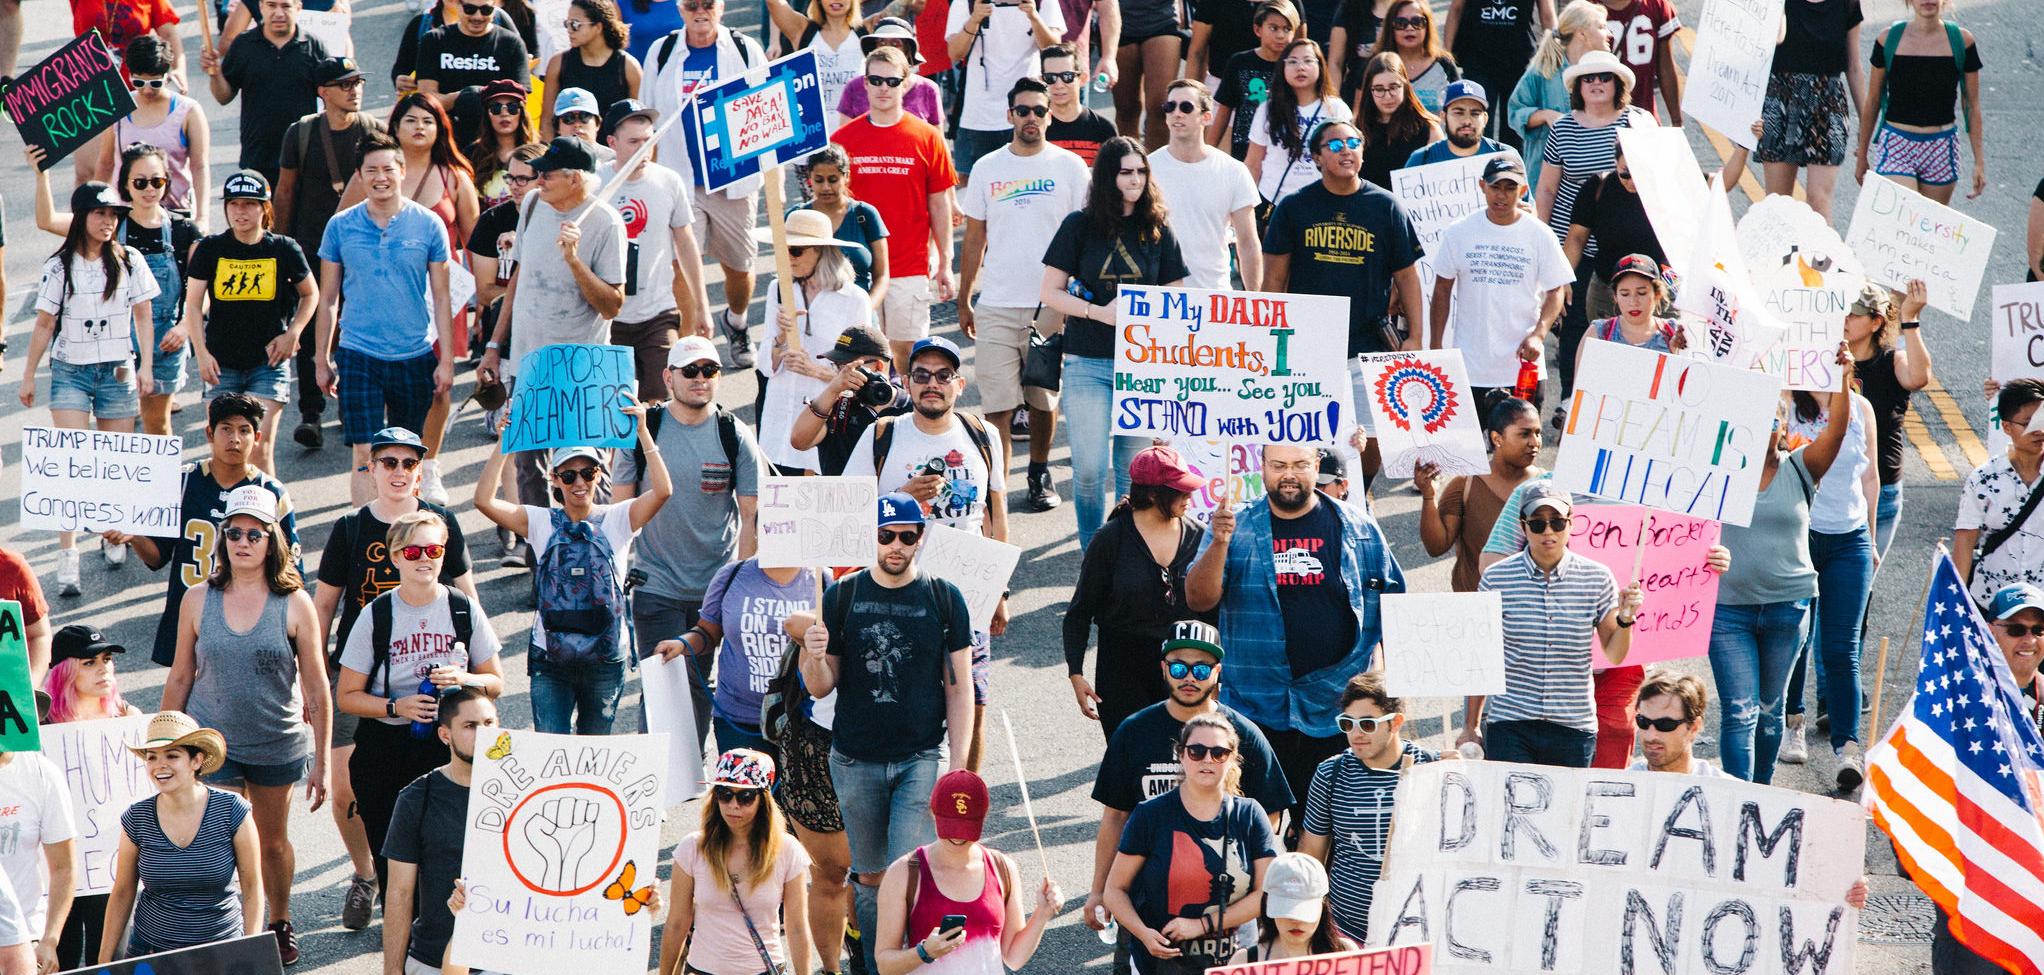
[(1232, 470), (1725, 319), (1425, 412), (1681, 594), (1443, 644), (1901, 234), (18, 722), (1401, 960), (95, 481), (1729, 69), (811, 521), (1809, 280), (562, 850), (2016, 349), (1679, 434), (69, 98), (105, 779), (1435, 196), (670, 711), (569, 396), (769, 116), (1241, 365), (254, 954), (979, 566), (1533, 868)]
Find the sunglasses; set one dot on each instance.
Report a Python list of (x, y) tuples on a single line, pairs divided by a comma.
[(699, 370), (577, 118), (1336, 145), (925, 376), (149, 182), (1408, 23), (743, 797), (1601, 77), (1622, 173), (1029, 111), (414, 553), (1060, 77), (1179, 670), (251, 534), (478, 9), (150, 83), (2017, 631), (1188, 107), (907, 536), (881, 80), (1200, 753), (573, 474), (696, 8), (575, 25), (1541, 526), (505, 106), (393, 463), (1350, 723), (1662, 725)]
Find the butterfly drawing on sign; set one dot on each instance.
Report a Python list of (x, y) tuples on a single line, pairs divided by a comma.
[(502, 749), (621, 890)]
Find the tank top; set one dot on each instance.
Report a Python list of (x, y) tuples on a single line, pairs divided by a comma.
[(984, 915), (606, 81), (1840, 507), (246, 684), (169, 136), (1609, 330), (444, 209), (1891, 404)]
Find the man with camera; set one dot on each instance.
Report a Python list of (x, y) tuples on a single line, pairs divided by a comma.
[(861, 394)]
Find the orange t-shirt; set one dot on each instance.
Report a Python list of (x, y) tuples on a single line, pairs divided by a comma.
[(120, 21), (896, 168)]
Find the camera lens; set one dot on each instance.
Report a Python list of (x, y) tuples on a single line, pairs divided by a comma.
[(876, 391)]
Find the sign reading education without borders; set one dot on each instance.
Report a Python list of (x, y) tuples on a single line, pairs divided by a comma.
[(569, 396), (69, 98), (764, 118)]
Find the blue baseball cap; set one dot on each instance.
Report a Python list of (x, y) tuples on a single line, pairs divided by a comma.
[(1458, 90), (900, 509), (2014, 599), (396, 437), (576, 100), (937, 343)]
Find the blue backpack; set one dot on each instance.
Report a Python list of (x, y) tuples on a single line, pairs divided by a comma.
[(576, 587)]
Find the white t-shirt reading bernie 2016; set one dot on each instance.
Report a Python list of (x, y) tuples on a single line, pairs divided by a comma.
[(1022, 200), (1500, 273), (1202, 197)]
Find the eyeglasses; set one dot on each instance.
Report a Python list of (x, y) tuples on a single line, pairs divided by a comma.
[(925, 377), (575, 25), (149, 182), (1349, 723), (1029, 111), (413, 553), (141, 83), (696, 8), (881, 80), (505, 106), (699, 370), (1408, 23), (1336, 145), (1601, 77), (907, 536), (743, 797), (251, 534), (1188, 107), (2017, 631), (1179, 670), (1662, 725), (1622, 173), (1541, 526), (478, 9), (1060, 77), (393, 463), (516, 180), (573, 474), (1387, 89), (1200, 753), (349, 85)]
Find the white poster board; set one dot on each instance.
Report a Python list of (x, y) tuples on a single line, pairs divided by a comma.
[(105, 778), (1424, 412), (1724, 317), (1809, 280), (1435, 196), (1671, 187), (562, 850), (811, 521), (96, 481), (670, 711), (1443, 644), (1901, 234), (2016, 343), (1668, 432), (1727, 81), (1533, 868), (979, 566), (331, 27)]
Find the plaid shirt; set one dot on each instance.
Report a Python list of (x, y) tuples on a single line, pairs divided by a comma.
[(1259, 680)]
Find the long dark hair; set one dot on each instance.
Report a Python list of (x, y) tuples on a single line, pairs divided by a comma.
[(443, 153), (606, 17), (1103, 202), (1281, 110), (1325, 940), (1411, 121), (1142, 497), (136, 152), (112, 257), (1430, 42), (484, 151), (280, 574)]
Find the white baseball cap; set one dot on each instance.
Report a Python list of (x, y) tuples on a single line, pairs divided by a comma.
[(252, 500), (1294, 888), (695, 348)]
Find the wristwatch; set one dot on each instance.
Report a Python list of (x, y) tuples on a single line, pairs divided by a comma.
[(389, 708), (1906, 326)]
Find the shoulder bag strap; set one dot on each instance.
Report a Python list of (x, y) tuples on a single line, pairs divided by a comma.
[(1890, 43), (2004, 533), (1958, 41), (765, 957), (333, 159)]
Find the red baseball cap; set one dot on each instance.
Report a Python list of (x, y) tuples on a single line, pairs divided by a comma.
[(959, 805), (1163, 467)]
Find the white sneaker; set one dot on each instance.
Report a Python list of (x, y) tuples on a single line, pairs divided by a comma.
[(116, 555), (1795, 750), (1852, 765), (430, 488), (67, 573)]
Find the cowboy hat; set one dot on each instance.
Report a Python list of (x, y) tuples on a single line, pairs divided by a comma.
[(176, 729), (806, 228)]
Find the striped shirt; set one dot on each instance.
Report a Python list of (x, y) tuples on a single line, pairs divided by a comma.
[(1351, 802), (1582, 153), (1548, 623), (187, 897)]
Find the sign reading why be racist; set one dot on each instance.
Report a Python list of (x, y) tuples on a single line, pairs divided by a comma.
[(1240, 365), (1531, 868), (562, 850), (569, 396)]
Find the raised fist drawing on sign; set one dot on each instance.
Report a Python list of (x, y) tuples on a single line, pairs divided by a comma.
[(562, 831)]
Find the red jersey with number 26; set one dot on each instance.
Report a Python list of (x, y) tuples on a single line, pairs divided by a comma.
[(1637, 32)]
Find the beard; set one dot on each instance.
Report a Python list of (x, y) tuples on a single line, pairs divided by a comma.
[(932, 411), (467, 758), (1461, 141), (1280, 500), (1201, 696)]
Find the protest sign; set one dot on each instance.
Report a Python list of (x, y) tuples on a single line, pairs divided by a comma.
[(1443, 644), (1235, 364), (764, 118), (570, 396), (1232, 470), (1901, 234), (18, 722), (1435, 196), (979, 566), (670, 711), (1533, 868), (69, 98), (812, 521), (1809, 279), (96, 481), (2016, 331), (1682, 435), (1728, 71), (1424, 412), (562, 850), (1726, 319), (331, 27), (1681, 595), (105, 779), (253, 954), (1401, 960), (1670, 184)]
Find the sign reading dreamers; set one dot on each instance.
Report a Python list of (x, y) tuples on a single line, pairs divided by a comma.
[(68, 99)]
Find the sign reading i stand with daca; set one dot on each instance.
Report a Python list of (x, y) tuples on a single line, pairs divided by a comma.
[(1534, 868), (811, 521), (570, 396), (2017, 330), (96, 481), (69, 98), (764, 118), (1240, 365), (1901, 234)]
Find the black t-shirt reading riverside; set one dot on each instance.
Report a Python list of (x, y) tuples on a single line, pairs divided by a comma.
[(1100, 264), (890, 680), (1320, 625), (1345, 245), (254, 290), (455, 60)]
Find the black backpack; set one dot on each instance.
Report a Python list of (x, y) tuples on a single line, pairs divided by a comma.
[(380, 615), (727, 436), (781, 706)]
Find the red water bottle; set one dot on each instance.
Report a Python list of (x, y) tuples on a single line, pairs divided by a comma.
[(1528, 385)]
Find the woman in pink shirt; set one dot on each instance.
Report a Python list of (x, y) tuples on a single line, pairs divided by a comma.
[(735, 878), (918, 895)]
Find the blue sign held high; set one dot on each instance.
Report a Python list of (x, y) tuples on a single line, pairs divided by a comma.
[(768, 117), (569, 396)]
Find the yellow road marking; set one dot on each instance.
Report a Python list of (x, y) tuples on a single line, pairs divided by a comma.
[(1955, 419)]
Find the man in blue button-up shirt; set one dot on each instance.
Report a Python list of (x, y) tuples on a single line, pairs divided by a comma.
[(1299, 611)]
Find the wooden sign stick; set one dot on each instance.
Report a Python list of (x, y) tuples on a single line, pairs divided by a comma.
[(1022, 782)]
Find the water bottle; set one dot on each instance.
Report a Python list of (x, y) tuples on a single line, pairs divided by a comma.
[(424, 729), (1100, 83), (1528, 385), (1109, 931)]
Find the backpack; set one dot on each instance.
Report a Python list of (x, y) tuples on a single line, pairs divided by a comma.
[(1958, 42), (380, 615), (663, 49), (727, 436), (975, 430), (576, 586)]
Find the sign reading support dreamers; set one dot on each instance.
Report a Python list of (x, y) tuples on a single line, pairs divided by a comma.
[(68, 99), (105, 779), (1901, 234), (93, 480), (765, 118), (1533, 868), (1240, 365), (568, 396)]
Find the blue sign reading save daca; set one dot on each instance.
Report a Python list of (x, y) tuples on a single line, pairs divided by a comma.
[(767, 117)]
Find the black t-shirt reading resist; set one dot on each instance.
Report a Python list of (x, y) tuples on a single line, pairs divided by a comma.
[(254, 290), (1320, 625), (1345, 245), (1101, 264), (455, 60)]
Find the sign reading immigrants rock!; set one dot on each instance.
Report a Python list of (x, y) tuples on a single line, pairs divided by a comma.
[(69, 99)]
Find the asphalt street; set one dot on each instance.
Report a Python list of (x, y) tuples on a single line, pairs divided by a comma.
[(1060, 746)]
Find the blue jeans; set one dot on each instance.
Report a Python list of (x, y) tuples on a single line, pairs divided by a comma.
[(1888, 517), (575, 698), (1845, 575), (1752, 649), (886, 810), (1088, 399), (1538, 743)]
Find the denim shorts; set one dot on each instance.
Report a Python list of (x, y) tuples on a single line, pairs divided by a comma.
[(169, 369), (265, 382), (104, 389), (286, 773)]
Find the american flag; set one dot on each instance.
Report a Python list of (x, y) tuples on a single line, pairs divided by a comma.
[(1955, 784)]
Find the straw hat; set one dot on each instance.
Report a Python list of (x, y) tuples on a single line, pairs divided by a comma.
[(807, 228), (173, 729), (1597, 62)]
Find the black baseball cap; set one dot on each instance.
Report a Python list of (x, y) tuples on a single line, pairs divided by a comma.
[(245, 184), (1333, 467), (396, 437), (625, 108), (566, 152), (333, 71), (857, 342), (80, 642), (1504, 166)]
